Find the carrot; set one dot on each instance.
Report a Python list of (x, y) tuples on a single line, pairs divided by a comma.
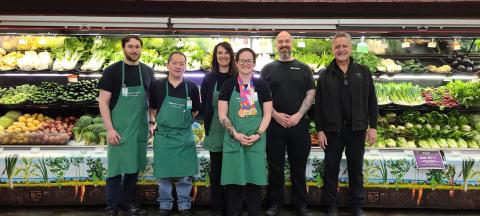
[(194, 192), (82, 193), (420, 193), (413, 193), (76, 190)]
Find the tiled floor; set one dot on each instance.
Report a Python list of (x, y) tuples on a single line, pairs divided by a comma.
[(95, 211)]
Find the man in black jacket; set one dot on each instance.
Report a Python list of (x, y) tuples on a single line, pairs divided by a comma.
[(346, 114)]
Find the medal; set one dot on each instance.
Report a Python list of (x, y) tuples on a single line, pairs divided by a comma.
[(247, 99)]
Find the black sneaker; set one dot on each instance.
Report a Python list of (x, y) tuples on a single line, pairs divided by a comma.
[(131, 210), (274, 210), (303, 211), (185, 212), (332, 211), (164, 212), (357, 211), (110, 212)]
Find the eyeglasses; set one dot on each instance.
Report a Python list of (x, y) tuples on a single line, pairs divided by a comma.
[(245, 62)]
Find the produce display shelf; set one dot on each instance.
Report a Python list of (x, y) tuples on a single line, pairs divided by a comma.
[(50, 106), (83, 168)]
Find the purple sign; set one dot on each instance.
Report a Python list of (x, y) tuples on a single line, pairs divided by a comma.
[(428, 159)]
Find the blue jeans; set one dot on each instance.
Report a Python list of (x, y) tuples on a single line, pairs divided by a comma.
[(183, 186)]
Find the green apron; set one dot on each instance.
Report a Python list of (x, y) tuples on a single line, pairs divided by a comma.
[(242, 165), (214, 141), (175, 154), (130, 120)]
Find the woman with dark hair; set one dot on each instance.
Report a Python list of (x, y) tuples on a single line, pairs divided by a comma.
[(223, 68), (244, 109)]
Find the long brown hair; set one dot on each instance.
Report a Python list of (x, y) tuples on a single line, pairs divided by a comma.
[(231, 66)]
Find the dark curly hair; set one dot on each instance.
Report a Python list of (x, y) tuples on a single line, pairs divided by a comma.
[(231, 66)]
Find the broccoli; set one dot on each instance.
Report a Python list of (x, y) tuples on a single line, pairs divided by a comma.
[(90, 138), (97, 120), (102, 137), (78, 133), (96, 128), (84, 121)]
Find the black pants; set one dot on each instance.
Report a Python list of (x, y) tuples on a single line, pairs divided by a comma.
[(216, 190), (121, 190), (237, 193), (354, 144), (296, 142)]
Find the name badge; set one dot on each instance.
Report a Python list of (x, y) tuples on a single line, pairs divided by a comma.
[(255, 96), (125, 91), (189, 104)]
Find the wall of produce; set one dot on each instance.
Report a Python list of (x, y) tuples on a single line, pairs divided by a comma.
[(425, 76)]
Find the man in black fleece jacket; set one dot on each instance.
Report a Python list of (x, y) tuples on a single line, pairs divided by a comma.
[(345, 115)]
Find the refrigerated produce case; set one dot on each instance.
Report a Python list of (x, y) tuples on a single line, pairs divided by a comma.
[(73, 173)]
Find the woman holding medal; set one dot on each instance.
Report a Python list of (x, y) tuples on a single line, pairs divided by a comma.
[(244, 109), (223, 68)]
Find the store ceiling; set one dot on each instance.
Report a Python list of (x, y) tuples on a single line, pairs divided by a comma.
[(249, 8)]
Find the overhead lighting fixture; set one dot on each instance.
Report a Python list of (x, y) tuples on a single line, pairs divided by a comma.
[(254, 24), (84, 22), (420, 24)]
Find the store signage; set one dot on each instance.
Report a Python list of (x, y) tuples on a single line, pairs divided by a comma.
[(72, 78), (405, 44), (432, 44), (429, 159)]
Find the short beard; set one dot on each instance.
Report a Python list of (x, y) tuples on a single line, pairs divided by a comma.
[(285, 55), (130, 58)]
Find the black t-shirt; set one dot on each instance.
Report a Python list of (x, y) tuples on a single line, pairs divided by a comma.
[(111, 79), (157, 93), (289, 82), (261, 87)]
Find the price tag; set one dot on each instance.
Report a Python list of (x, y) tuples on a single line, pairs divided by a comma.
[(1, 149), (429, 159), (373, 151), (447, 79), (432, 44), (72, 78), (405, 44), (407, 151), (301, 44)]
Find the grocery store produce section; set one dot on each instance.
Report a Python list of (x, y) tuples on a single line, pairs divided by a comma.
[(53, 147)]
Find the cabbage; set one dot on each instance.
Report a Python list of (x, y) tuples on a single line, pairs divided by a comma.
[(442, 143)]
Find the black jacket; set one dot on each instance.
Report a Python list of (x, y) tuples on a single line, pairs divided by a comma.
[(328, 114), (206, 91)]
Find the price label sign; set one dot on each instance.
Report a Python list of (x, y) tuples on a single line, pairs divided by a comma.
[(405, 44), (432, 44), (448, 79), (72, 78), (429, 159)]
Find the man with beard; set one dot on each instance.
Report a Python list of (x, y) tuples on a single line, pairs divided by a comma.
[(293, 90), (346, 113), (123, 106)]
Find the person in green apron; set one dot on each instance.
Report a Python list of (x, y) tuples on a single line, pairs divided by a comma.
[(122, 90), (244, 109), (223, 68), (174, 103)]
